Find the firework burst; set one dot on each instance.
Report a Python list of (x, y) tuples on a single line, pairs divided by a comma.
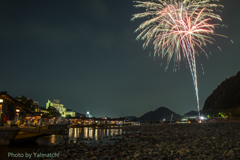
[(176, 28)]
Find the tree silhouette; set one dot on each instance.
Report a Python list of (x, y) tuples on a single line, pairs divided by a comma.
[(53, 111), (27, 101)]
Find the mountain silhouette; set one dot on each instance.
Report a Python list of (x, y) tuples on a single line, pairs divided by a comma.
[(160, 114), (225, 96)]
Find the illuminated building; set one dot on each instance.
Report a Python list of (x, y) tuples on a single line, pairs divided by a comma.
[(60, 107), (70, 112), (88, 115), (35, 105), (11, 109)]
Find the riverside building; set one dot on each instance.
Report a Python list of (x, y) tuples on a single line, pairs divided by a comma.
[(60, 107), (11, 109)]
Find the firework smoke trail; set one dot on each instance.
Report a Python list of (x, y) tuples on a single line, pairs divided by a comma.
[(176, 27)]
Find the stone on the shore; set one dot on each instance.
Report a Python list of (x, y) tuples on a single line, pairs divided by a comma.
[(186, 141)]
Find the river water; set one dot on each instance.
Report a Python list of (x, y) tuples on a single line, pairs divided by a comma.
[(48, 141)]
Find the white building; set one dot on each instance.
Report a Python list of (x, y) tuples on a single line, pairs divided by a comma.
[(60, 107), (89, 115)]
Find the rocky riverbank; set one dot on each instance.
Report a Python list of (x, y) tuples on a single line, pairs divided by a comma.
[(208, 141)]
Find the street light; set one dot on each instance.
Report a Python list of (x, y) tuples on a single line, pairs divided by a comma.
[(1, 100), (202, 118)]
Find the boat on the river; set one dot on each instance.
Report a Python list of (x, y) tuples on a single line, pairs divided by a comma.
[(107, 125), (57, 126), (57, 129), (92, 125), (7, 134), (81, 126)]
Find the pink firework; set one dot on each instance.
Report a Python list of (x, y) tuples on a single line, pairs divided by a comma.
[(177, 27)]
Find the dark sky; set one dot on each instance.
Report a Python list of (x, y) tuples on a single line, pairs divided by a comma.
[(84, 53)]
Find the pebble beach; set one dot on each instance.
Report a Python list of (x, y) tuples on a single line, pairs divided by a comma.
[(205, 141)]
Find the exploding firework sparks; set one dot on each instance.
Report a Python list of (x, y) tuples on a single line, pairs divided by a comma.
[(176, 28)]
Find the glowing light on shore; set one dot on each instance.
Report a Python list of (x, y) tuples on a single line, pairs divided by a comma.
[(202, 118)]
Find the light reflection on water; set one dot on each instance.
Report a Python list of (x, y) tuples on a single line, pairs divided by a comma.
[(76, 133)]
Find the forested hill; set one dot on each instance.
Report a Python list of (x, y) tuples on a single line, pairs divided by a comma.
[(225, 96)]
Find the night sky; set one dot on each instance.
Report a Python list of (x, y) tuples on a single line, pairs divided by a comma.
[(84, 53)]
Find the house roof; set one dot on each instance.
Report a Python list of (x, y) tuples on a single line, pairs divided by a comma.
[(42, 108), (19, 105)]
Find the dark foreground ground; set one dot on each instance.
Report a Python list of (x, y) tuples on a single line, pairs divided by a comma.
[(207, 141)]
